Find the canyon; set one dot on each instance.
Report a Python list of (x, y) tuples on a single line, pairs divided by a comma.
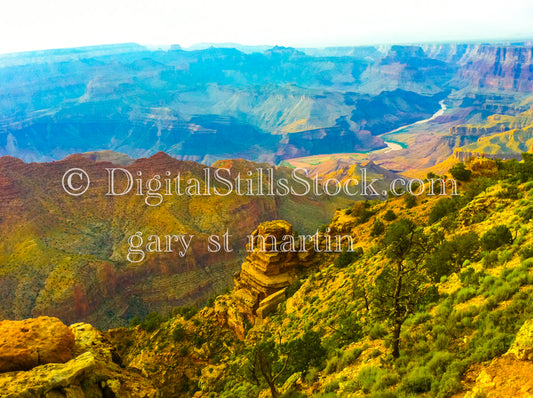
[(67, 256), (218, 103)]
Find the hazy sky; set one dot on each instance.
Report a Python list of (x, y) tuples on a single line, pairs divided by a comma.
[(39, 24)]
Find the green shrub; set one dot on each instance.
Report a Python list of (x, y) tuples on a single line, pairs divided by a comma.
[(478, 217), (469, 277), (349, 329), (152, 321), (449, 385), (430, 296), (178, 334), (420, 318), (526, 252), (378, 228), (509, 192), (349, 357), (505, 256), (490, 259), (135, 321), (487, 283), (527, 214), (442, 342), (460, 172), (293, 288), (496, 237), (439, 362), (346, 257), (367, 378), (312, 375), (527, 263), (186, 312), (332, 386), (331, 365), (409, 201), (377, 331), (490, 345), (418, 381), (443, 207), (385, 380), (351, 387), (390, 215), (306, 351), (503, 293), (449, 256)]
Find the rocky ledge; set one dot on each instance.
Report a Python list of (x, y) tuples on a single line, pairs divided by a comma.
[(43, 358)]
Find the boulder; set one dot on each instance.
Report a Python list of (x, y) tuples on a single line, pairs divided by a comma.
[(32, 342)]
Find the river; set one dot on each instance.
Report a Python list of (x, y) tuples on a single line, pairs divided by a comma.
[(394, 146)]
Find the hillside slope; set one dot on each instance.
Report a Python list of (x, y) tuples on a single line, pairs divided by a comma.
[(467, 286)]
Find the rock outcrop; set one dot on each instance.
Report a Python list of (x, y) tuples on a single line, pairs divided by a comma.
[(268, 269), (510, 375), (503, 377), (32, 342), (94, 371), (497, 67), (522, 347)]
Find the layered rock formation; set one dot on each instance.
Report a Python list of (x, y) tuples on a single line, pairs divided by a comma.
[(498, 67), (268, 270), (501, 136)]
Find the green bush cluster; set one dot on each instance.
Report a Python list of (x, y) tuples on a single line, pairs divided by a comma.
[(496, 237), (346, 257)]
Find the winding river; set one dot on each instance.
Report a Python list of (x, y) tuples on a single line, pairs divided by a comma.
[(394, 146)]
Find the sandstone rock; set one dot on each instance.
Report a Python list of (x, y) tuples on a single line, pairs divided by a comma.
[(32, 342), (228, 315), (503, 377), (92, 373), (523, 344), (50, 378), (265, 271), (269, 304), (89, 339)]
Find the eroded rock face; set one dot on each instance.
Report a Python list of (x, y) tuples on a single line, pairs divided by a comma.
[(32, 342), (267, 270), (523, 344)]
